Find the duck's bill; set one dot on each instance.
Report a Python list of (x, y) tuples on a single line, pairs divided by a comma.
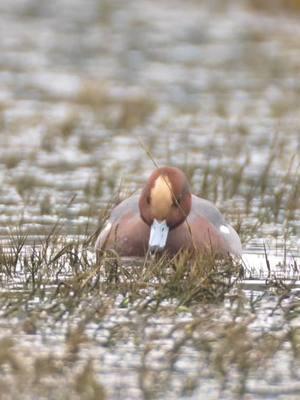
[(158, 236)]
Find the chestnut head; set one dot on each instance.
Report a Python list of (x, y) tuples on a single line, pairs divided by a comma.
[(164, 204)]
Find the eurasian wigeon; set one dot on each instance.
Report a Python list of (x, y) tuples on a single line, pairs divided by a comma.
[(166, 217)]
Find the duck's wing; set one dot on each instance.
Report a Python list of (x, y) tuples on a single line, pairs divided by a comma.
[(206, 209), (127, 206)]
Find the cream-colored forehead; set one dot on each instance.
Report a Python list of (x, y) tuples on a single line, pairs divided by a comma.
[(161, 197), (162, 188)]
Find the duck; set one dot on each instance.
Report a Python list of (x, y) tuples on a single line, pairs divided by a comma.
[(166, 218)]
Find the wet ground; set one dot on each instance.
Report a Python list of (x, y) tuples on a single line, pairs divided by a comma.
[(90, 94)]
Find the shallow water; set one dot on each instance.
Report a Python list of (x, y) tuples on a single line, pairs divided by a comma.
[(88, 91)]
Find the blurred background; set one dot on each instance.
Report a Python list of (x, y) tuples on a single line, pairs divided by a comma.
[(88, 88)]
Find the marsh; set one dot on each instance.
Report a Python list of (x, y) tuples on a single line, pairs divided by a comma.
[(93, 94)]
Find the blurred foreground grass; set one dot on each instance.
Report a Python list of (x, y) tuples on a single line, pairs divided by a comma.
[(63, 317)]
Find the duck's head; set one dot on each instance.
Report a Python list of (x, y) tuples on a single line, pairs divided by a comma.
[(164, 204)]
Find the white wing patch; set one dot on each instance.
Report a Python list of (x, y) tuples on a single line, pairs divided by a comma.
[(224, 229), (106, 228), (103, 235)]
